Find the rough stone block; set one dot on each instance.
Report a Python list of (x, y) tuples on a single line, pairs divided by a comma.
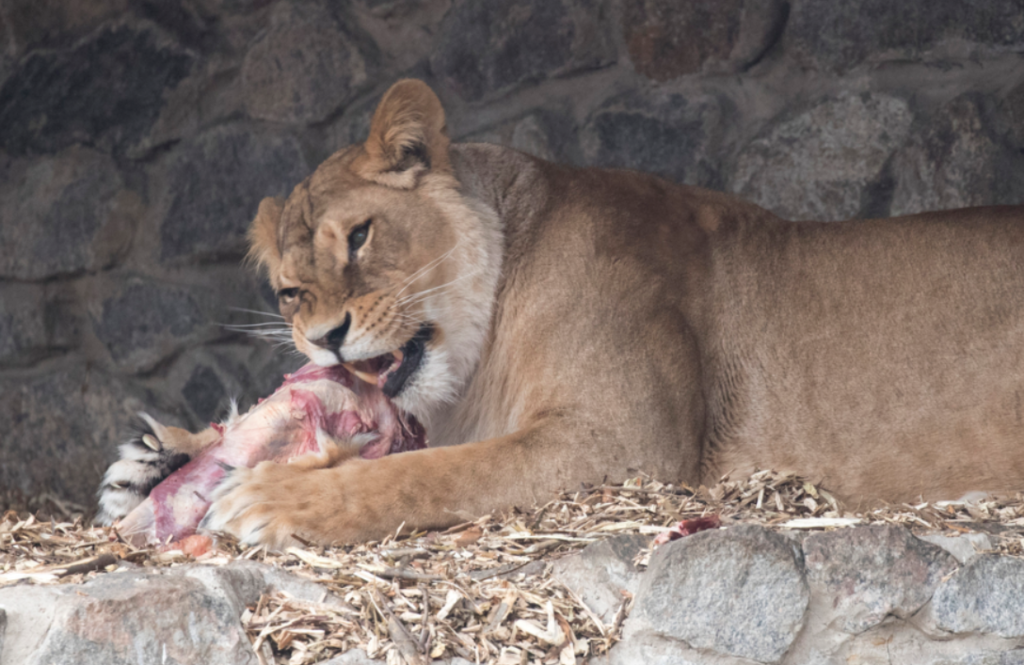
[(35, 321), (652, 649), (63, 214), (824, 163), (27, 610), (187, 615), (869, 573), (105, 91), (601, 572), (676, 136), (308, 63), (949, 163), (22, 323), (205, 379), (738, 591), (546, 133), (60, 430), (145, 321), (900, 642), (131, 617), (214, 185), (964, 547), (838, 36), (985, 596), (55, 23), (487, 47), (667, 39)]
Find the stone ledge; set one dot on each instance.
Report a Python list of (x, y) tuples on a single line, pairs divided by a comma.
[(735, 596), (868, 594)]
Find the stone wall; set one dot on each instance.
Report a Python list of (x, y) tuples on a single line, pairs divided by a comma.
[(138, 136)]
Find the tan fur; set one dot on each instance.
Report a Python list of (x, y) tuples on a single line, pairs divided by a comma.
[(590, 322)]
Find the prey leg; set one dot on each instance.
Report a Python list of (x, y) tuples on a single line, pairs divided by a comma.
[(146, 459)]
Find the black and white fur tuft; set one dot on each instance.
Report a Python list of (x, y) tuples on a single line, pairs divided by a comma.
[(145, 461)]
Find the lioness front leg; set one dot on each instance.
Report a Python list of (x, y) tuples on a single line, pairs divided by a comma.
[(146, 459), (360, 500)]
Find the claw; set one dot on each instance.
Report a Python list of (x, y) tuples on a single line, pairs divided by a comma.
[(151, 442)]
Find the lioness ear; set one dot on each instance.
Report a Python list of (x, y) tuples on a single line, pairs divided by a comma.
[(407, 137), (263, 249)]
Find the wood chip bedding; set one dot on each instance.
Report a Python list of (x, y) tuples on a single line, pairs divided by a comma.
[(482, 590)]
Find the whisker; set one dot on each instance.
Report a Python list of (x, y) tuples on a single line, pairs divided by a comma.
[(256, 311), (270, 325), (429, 266), (416, 297)]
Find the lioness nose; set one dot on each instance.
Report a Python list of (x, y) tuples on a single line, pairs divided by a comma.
[(333, 340)]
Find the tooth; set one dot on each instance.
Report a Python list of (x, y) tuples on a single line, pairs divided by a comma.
[(365, 376), (397, 353), (152, 442)]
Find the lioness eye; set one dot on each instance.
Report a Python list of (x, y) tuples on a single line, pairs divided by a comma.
[(358, 236), (288, 294)]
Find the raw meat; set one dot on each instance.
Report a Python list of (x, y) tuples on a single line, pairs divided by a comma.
[(312, 404)]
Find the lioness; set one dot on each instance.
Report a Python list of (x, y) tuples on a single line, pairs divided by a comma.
[(565, 325)]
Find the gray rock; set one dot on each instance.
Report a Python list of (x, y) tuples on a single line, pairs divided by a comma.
[(667, 39), (601, 572), (868, 573), (964, 547), (676, 136), (146, 321), (188, 614), (899, 642), (105, 91), (837, 36), (949, 163), (59, 431), (307, 64), (63, 214), (492, 46), (28, 611), (739, 592), (23, 333), (204, 393), (827, 162), (546, 133), (1012, 116), (139, 617), (36, 321), (53, 23), (214, 185), (984, 596), (653, 649), (206, 378)]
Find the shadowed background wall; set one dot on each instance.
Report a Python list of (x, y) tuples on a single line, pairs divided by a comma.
[(137, 138)]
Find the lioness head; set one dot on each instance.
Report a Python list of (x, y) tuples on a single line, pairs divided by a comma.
[(380, 263)]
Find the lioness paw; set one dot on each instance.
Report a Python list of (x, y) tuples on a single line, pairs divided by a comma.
[(146, 459), (269, 504)]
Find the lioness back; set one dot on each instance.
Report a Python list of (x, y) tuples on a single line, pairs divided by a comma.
[(884, 356)]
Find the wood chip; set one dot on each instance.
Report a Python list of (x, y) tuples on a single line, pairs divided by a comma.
[(411, 599)]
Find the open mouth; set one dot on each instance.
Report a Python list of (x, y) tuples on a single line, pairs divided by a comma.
[(391, 371)]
